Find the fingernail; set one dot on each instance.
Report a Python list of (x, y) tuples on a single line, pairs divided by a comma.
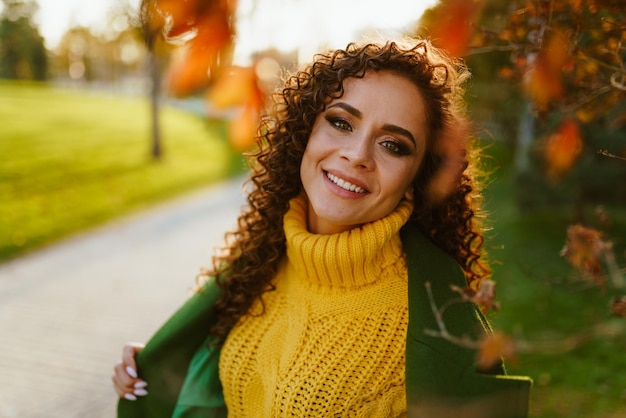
[(130, 397), (141, 384), (140, 392), (131, 372)]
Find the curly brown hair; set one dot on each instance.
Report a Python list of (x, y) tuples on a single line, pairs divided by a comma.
[(250, 258)]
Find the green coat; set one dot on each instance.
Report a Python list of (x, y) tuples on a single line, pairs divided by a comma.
[(182, 368)]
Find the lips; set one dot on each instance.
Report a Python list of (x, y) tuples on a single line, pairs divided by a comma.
[(344, 184)]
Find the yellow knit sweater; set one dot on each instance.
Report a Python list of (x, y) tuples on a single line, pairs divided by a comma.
[(331, 341)]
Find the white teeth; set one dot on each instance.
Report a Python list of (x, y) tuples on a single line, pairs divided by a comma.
[(344, 184)]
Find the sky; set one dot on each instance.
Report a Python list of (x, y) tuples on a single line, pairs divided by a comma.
[(55, 17), (287, 25)]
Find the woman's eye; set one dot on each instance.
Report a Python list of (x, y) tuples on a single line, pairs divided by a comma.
[(395, 147), (340, 124)]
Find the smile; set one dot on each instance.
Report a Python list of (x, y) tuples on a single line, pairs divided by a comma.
[(345, 184)]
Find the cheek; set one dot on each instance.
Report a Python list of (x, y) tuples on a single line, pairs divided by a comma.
[(316, 149), (303, 169), (308, 163), (307, 156), (407, 176)]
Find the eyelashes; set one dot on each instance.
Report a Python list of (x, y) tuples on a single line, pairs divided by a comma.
[(396, 147), (339, 123)]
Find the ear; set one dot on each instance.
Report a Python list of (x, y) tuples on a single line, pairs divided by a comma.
[(408, 195)]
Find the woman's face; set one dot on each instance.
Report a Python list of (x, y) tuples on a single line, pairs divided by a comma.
[(364, 152)]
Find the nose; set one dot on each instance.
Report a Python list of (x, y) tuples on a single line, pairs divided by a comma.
[(358, 152)]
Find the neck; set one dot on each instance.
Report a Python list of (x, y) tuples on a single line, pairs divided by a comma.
[(347, 259), (314, 226)]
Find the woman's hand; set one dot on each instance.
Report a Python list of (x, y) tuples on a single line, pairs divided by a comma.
[(125, 380)]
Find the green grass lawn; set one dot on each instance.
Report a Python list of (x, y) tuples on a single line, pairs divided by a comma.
[(70, 160), (545, 301)]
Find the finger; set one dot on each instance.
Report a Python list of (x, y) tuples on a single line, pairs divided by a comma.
[(122, 382), (125, 379), (126, 386), (128, 358)]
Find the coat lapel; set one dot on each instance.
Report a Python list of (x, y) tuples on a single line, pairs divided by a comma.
[(441, 377)]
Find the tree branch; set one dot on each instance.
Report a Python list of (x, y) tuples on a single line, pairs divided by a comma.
[(606, 153), (608, 329)]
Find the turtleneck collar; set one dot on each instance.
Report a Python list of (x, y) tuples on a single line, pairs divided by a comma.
[(348, 259)]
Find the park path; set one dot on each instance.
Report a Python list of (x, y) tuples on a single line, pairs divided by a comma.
[(67, 310)]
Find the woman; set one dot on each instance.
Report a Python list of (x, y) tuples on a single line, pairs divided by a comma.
[(318, 306)]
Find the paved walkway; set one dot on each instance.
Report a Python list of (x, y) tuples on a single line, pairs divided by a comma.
[(66, 311)]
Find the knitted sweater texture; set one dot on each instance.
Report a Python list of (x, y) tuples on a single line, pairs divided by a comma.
[(330, 339)]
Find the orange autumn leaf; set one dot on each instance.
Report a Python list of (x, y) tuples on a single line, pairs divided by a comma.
[(180, 15), (494, 348), (188, 71), (585, 114), (233, 87), (186, 15), (179, 10), (542, 84), (562, 149), (202, 30), (543, 81), (556, 51), (214, 32), (192, 64), (576, 5), (618, 306), (242, 129), (484, 296), (239, 87), (172, 17), (451, 28), (506, 72), (584, 251)]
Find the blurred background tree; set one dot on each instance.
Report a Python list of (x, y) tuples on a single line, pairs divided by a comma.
[(559, 65), (194, 38), (23, 54), (549, 101), (569, 58), (113, 60)]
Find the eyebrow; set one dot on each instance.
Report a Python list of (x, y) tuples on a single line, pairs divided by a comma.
[(387, 127)]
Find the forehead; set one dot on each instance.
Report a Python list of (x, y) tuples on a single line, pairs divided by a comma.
[(388, 98)]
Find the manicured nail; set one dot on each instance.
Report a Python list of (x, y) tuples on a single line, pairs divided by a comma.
[(141, 384), (140, 392), (130, 397), (131, 372)]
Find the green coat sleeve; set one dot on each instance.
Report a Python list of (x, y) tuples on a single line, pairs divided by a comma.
[(441, 377), (166, 358)]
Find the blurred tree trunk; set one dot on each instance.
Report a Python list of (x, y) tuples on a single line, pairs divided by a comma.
[(156, 76), (525, 138), (149, 16)]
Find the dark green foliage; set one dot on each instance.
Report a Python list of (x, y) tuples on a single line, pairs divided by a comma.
[(23, 54), (594, 180), (498, 104), (545, 302)]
